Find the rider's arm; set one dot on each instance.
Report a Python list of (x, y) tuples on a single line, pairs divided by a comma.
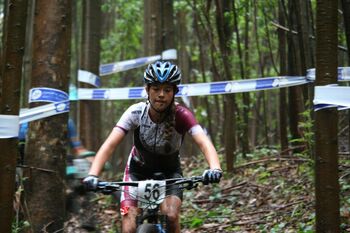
[(106, 150), (208, 149)]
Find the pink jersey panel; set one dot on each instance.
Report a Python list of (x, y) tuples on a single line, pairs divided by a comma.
[(185, 119)]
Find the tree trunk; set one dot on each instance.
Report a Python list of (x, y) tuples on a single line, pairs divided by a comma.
[(14, 34), (326, 121), (225, 34), (295, 94), (246, 101), (158, 26), (283, 71), (346, 14), (44, 189), (202, 64), (28, 48), (90, 111)]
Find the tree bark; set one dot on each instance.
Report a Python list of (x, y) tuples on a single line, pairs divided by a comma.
[(283, 71), (158, 26), (225, 34), (44, 188), (246, 101), (90, 111), (14, 34), (346, 15), (326, 121), (295, 94)]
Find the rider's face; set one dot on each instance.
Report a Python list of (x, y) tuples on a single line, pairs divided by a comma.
[(160, 95)]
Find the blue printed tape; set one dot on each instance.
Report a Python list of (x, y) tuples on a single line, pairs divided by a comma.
[(45, 94), (106, 69)]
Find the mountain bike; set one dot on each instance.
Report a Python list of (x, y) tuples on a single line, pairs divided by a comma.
[(150, 194)]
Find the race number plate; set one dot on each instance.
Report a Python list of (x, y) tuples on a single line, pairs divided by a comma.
[(151, 193)]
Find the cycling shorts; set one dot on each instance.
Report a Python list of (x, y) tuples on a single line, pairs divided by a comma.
[(135, 172)]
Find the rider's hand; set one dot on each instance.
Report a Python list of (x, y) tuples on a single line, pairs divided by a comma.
[(212, 176), (90, 182)]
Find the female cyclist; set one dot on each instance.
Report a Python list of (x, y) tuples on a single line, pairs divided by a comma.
[(159, 126)]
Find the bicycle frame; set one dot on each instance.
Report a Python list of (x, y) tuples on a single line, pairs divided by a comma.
[(155, 221)]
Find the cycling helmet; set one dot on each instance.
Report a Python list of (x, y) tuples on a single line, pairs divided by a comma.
[(162, 72)]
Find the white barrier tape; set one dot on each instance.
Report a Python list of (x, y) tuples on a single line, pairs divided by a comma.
[(43, 111), (343, 74), (88, 77), (59, 104), (331, 96), (198, 89), (111, 68), (45, 94), (9, 126)]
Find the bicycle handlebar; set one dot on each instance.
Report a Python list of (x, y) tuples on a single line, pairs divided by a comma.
[(184, 183)]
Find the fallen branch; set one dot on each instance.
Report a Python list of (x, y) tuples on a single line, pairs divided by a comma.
[(37, 168), (274, 159), (237, 186)]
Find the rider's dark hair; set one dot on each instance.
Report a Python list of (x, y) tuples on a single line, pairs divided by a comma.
[(169, 126)]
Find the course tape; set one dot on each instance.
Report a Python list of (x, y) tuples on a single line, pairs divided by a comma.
[(111, 68), (331, 96), (9, 126), (88, 77), (198, 89), (45, 94), (343, 74), (59, 104), (60, 100), (32, 114)]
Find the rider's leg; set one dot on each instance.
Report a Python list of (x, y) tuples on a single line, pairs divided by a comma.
[(171, 208), (129, 220)]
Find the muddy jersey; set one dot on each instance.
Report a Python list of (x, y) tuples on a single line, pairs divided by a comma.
[(149, 137)]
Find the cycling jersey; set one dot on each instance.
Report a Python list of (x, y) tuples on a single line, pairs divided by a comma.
[(149, 136), (151, 151)]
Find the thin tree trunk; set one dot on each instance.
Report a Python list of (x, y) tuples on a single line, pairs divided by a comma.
[(346, 15), (245, 137), (11, 70), (28, 48), (225, 33), (283, 71), (90, 111), (158, 26), (326, 121), (203, 72), (44, 189), (295, 94), (261, 67)]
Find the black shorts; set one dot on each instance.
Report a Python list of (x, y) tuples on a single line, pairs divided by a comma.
[(135, 172)]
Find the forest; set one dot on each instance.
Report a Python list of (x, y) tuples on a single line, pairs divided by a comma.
[(266, 80)]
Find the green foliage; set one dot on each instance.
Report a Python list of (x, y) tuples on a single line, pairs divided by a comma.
[(307, 128), (19, 226), (124, 40)]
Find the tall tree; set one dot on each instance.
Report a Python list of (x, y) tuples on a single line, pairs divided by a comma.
[(346, 15), (246, 100), (283, 71), (158, 26), (9, 103), (326, 121), (90, 111), (44, 188), (224, 28), (295, 94)]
